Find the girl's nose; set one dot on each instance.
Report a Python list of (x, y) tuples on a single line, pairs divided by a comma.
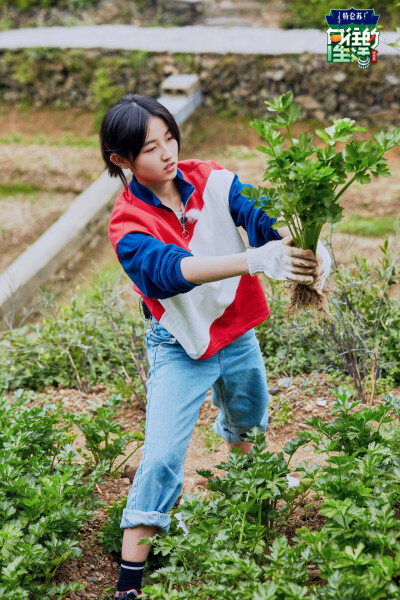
[(166, 152)]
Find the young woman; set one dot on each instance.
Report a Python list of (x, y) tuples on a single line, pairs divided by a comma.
[(174, 230)]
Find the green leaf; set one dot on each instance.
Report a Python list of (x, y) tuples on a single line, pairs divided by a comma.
[(324, 135), (293, 112), (280, 103), (363, 177)]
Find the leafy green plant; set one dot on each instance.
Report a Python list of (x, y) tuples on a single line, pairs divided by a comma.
[(238, 544), (228, 533), (360, 484), (105, 92), (280, 413), (44, 501), (306, 178), (95, 339), (111, 534), (104, 438)]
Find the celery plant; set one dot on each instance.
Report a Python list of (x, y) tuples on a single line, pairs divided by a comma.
[(308, 180)]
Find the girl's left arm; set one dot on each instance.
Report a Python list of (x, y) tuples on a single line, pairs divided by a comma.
[(254, 220)]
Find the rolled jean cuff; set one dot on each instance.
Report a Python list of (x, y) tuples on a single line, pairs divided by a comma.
[(133, 518), (229, 436)]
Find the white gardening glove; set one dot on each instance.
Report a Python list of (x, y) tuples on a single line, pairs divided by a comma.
[(324, 266), (281, 260)]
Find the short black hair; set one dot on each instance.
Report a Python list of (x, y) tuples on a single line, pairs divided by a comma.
[(125, 127)]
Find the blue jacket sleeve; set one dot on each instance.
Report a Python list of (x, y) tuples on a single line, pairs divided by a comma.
[(254, 220), (153, 266)]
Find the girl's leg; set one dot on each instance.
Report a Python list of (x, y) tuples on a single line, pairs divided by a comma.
[(130, 550), (241, 392), (176, 389)]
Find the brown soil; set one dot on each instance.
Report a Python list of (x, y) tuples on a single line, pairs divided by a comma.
[(99, 569), (57, 173), (50, 122)]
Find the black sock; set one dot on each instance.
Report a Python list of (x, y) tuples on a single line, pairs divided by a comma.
[(130, 576)]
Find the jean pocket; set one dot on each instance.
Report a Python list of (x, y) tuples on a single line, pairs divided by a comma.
[(159, 335)]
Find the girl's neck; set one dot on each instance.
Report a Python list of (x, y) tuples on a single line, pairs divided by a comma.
[(168, 193)]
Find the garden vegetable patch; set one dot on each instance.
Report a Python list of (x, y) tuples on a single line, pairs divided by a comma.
[(235, 547)]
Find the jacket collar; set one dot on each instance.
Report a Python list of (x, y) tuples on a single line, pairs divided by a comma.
[(144, 193)]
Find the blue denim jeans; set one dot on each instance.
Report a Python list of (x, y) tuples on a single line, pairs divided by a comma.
[(176, 389)]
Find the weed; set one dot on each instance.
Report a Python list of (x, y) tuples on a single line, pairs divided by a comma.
[(368, 226), (10, 189), (104, 438), (14, 137), (281, 413), (210, 438), (93, 339)]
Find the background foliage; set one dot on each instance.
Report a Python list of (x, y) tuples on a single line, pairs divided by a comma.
[(312, 14)]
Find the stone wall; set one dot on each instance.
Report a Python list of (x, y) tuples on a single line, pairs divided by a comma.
[(97, 78), (146, 13)]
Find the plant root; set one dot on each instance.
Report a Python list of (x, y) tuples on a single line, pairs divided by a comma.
[(302, 298)]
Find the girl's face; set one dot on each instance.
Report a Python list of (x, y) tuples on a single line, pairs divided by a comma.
[(159, 150)]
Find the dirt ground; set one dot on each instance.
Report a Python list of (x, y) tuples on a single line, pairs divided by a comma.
[(55, 173), (98, 569)]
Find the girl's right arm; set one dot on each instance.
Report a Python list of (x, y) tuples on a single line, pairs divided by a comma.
[(203, 269), (278, 259), (162, 270)]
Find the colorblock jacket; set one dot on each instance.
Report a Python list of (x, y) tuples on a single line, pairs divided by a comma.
[(150, 242)]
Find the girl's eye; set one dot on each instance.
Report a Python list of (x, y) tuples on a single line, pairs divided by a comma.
[(151, 149)]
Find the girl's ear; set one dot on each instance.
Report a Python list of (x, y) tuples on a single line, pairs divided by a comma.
[(122, 163)]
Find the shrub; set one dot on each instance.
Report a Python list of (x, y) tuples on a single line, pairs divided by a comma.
[(24, 5), (95, 339), (362, 338), (312, 14), (103, 436), (43, 500)]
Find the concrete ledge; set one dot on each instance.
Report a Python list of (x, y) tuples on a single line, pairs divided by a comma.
[(56, 245), (180, 85), (193, 39), (182, 107)]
